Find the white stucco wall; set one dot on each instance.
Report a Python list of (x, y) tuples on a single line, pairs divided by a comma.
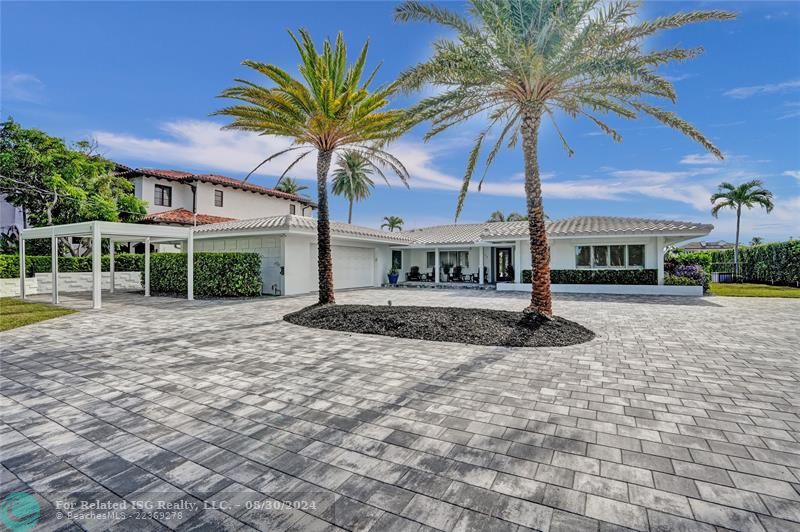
[(236, 203), (562, 251)]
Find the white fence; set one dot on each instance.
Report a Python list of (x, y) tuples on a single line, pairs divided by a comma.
[(42, 283)]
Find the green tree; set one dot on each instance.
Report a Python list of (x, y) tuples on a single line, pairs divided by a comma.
[(351, 179), (518, 62), (392, 222), (290, 186), (498, 216), (54, 184), (749, 194), (330, 107)]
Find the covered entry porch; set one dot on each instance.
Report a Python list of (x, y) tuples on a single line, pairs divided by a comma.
[(452, 265), (112, 232)]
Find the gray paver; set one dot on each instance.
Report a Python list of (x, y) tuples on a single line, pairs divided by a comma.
[(681, 415)]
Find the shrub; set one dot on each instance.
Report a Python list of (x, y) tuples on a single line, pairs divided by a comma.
[(676, 280), (215, 274), (123, 262), (687, 258), (598, 276), (777, 263)]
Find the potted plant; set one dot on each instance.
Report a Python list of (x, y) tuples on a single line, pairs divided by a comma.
[(393, 275)]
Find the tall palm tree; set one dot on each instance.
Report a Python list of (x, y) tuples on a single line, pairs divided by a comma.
[(290, 186), (392, 222), (351, 179), (518, 62), (327, 109), (748, 195)]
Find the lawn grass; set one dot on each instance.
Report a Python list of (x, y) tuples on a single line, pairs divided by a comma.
[(753, 290), (16, 313)]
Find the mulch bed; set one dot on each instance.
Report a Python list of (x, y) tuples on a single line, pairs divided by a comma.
[(445, 324)]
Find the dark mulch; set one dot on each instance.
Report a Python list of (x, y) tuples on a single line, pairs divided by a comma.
[(445, 324)]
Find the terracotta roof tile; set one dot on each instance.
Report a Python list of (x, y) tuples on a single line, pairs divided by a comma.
[(183, 217)]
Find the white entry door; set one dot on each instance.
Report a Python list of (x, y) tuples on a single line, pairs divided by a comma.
[(352, 266)]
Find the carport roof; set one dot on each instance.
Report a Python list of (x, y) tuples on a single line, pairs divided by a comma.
[(109, 230)]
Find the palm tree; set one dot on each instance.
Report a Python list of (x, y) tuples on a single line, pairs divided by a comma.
[(392, 223), (351, 179), (747, 195), (518, 62), (290, 186), (756, 241), (327, 109), (498, 216)]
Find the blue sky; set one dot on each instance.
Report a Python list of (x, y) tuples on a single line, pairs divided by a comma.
[(142, 77)]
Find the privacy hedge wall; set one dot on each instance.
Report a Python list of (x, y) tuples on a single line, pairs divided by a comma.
[(598, 276), (123, 262), (215, 274), (778, 262)]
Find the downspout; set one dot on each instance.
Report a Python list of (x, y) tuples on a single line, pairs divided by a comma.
[(194, 205)]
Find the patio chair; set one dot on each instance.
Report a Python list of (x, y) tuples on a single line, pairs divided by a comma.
[(414, 275), (457, 275), (431, 277)]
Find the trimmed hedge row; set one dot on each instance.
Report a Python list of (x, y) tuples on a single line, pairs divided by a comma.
[(123, 262), (598, 276), (215, 274), (778, 262)]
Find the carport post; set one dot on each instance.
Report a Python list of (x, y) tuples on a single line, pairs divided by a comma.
[(97, 270), (21, 267), (54, 268), (190, 266), (111, 263), (147, 267)]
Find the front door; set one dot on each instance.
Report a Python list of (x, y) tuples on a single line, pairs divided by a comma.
[(503, 266)]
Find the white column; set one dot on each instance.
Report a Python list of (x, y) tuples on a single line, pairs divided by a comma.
[(480, 265), (111, 263), (660, 258), (436, 266), (54, 267), (97, 270), (21, 267), (190, 266), (517, 263), (147, 267)]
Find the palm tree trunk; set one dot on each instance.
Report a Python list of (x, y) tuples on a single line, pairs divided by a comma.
[(324, 254), (350, 212), (541, 298), (736, 244)]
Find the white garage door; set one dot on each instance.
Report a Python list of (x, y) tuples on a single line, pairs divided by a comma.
[(352, 267)]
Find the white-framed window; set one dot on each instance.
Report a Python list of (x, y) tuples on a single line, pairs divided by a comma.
[(217, 198), (610, 256), (453, 258)]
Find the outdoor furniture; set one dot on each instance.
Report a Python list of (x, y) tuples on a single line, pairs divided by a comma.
[(431, 277), (414, 275), (457, 276)]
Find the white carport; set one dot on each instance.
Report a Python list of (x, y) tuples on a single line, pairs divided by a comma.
[(115, 232)]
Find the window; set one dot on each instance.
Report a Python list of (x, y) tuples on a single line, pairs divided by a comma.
[(600, 256), (612, 256), (292, 208), (163, 196), (453, 258), (636, 256), (583, 256), (217, 198), (397, 259)]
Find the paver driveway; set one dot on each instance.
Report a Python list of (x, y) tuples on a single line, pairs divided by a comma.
[(680, 415)]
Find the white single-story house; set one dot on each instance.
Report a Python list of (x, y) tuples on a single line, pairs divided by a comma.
[(364, 256)]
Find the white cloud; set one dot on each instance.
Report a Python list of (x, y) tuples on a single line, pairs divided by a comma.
[(704, 158), (792, 173), (22, 87), (747, 92)]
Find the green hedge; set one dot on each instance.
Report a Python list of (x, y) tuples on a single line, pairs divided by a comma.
[(598, 276), (123, 262), (689, 258), (677, 280), (778, 262), (215, 274)]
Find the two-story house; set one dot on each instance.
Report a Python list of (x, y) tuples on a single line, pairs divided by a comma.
[(176, 197)]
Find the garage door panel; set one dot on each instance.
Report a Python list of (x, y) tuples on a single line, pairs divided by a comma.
[(352, 266)]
